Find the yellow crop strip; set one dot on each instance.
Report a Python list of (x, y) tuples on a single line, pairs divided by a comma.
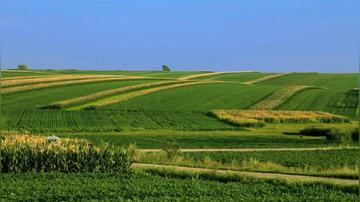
[(51, 78), (199, 75), (62, 83), (279, 97), (109, 92), (260, 117), (265, 78)]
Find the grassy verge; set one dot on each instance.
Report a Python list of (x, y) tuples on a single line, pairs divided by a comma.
[(331, 163)]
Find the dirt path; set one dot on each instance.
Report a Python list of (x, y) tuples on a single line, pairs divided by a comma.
[(296, 178), (252, 149)]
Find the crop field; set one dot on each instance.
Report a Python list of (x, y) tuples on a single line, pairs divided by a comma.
[(202, 97), (112, 135)]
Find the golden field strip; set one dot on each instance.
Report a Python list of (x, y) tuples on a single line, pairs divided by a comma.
[(21, 77), (28, 71), (50, 78), (109, 92), (127, 96), (265, 78), (199, 75), (258, 118), (62, 83), (14, 138), (278, 97)]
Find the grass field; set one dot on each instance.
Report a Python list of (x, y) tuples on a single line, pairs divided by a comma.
[(168, 118)]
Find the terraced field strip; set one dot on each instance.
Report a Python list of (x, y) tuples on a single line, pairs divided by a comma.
[(199, 75), (26, 71), (51, 78), (109, 92), (62, 83), (21, 77), (265, 78), (279, 97), (264, 175), (127, 96), (251, 149)]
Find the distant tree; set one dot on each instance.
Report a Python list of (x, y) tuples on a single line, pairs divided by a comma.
[(166, 68), (22, 67)]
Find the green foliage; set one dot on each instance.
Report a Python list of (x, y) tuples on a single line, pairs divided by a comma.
[(22, 67), (355, 135), (91, 120), (163, 186), (165, 68), (339, 135), (201, 139)]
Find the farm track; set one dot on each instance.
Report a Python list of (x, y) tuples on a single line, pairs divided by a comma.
[(265, 78), (264, 175), (63, 83), (252, 149), (132, 94)]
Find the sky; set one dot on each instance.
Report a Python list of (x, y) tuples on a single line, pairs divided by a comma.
[(217, 35)]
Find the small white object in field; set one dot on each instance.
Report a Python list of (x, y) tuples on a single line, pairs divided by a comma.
[(53, 138)]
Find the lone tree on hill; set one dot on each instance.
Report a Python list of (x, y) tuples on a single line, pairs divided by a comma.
[(22, 67), (166, 68)]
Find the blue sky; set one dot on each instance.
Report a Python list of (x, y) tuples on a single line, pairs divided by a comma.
[(221, 35)]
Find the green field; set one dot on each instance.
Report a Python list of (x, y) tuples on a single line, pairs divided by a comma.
[(170, 119), (154, 187)]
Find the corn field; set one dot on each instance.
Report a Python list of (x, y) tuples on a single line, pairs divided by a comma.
[(24, 153)]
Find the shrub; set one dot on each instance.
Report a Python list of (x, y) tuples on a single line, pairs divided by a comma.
[(315, 131), (22, 67), (52, 106), (166, 68), (339, 135), (355, 135), (93, 107)]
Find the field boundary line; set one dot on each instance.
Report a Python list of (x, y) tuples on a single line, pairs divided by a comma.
[(263, 175), (265, 78), (251, 149)]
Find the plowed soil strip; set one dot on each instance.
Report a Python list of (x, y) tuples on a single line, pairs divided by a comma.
[(298, 178)]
